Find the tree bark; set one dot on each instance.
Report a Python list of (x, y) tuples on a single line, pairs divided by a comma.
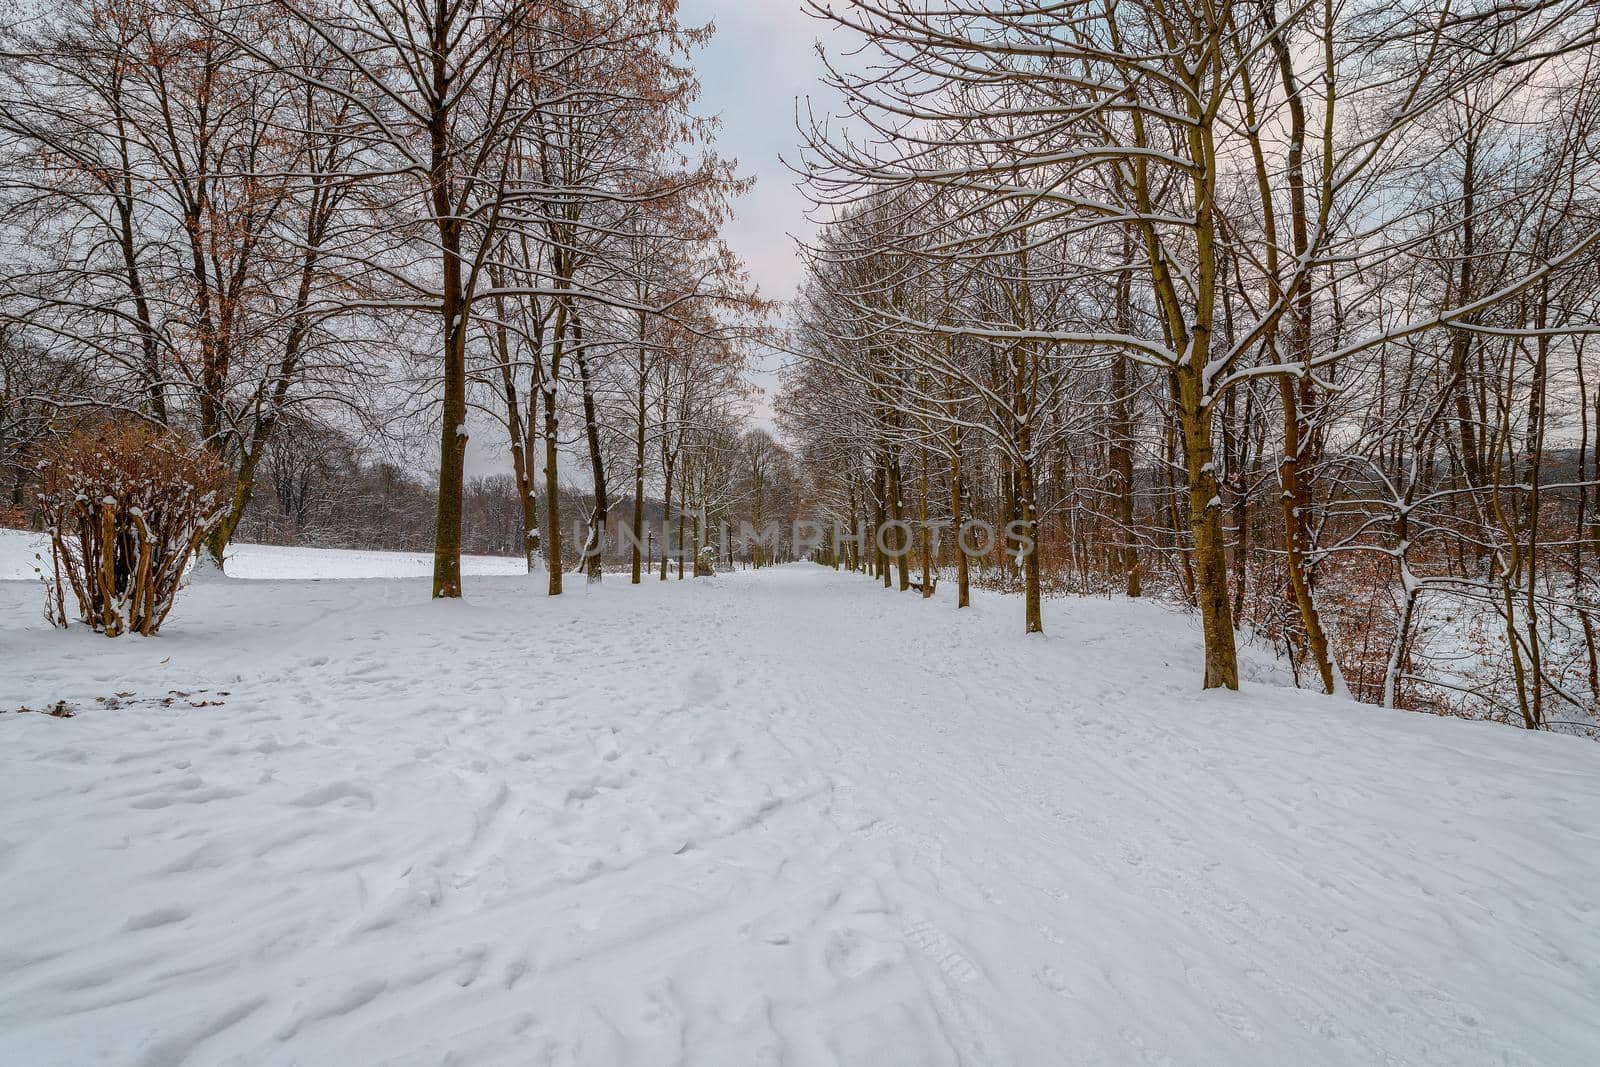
[(1122, 466), (594, 550), (638, 467), (957, 519), (1205, 528)]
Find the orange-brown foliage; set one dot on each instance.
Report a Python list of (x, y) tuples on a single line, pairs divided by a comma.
[(125, 505)]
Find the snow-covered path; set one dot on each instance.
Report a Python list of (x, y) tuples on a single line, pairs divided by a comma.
[(784, 817)]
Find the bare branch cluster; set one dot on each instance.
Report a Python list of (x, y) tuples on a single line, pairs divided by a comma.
[(1242, 298)]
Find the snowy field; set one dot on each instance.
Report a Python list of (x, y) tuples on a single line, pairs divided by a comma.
[(783, 817), (21, 552)]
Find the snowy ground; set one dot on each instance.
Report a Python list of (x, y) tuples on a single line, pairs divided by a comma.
[(784, 817)]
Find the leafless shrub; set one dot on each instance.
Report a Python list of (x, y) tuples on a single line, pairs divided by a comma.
[(125, 506)]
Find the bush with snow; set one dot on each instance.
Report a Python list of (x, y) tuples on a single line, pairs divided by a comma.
[(125, 505)]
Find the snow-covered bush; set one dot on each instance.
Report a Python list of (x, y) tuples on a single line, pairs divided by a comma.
[(125, 506)]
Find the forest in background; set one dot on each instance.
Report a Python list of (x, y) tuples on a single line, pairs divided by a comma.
[(1282, 312)]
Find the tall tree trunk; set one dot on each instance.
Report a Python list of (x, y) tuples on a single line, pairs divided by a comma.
[(1122, 467), (519, 433), (452, 458), (1295, 395), (957, 519), (881, 557), (453, 421), (923, 534), (594, 550), (1461, 340), (666, 514), (552, 491), (1030, 560), (681, 553), (638, 470), (1175, 520), (902, 538), (1205, 528), (1296, 506)]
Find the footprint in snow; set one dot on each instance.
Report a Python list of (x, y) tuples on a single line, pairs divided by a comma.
[(357, 996), (150, 920), (334, 792), (933, 943)]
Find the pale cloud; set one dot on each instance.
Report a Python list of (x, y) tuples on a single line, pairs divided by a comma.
[(761, 61)]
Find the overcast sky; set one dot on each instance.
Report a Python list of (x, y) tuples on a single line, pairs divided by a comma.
[(762, 58)]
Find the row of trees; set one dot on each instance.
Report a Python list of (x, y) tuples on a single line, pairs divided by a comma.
[(319, 488), (267, 224), (1282, 309)]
